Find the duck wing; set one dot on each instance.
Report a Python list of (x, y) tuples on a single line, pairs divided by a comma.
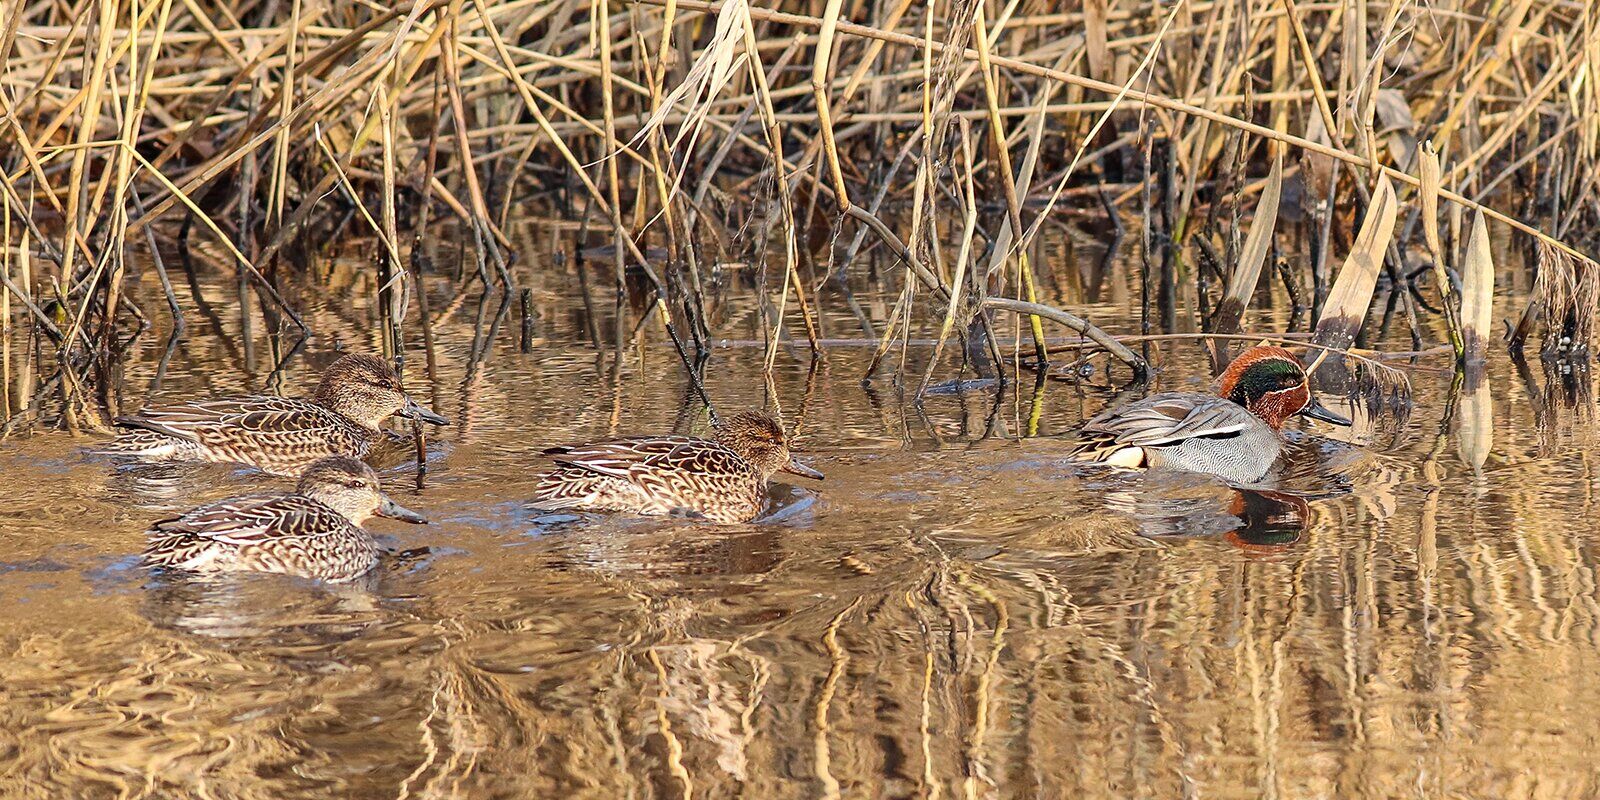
[(251, 520), (203, 421), (1168, 418), (277, 434), (1161, 420), (632, 458)]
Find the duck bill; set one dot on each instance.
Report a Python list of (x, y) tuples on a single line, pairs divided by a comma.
[(414, 410), (1316, 410), (794, 467), (392, 510)]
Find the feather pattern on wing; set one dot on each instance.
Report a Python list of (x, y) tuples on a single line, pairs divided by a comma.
[(289, 534), (1182, 430), (277, 434), (1169, 418), (653, 475)]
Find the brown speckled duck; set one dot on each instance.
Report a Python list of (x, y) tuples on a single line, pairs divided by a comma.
[(279, 435), (1233, 434), (313, 533), (723, 480)]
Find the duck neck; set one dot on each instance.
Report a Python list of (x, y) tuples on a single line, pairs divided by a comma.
[(765, 459), (343, 506), (349, 411), (1275, 408)]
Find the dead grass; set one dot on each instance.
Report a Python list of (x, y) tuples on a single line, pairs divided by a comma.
[(696, 129)]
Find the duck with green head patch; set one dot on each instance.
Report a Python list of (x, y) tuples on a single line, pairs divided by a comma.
[(1233, 434)]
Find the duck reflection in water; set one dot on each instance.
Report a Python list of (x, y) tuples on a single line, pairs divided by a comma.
[(1268, 520), (1255, 519)]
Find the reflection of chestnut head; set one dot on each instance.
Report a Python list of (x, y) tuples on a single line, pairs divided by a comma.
[(1268, 520)]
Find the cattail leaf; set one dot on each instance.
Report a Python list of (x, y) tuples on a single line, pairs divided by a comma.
[(1347, 303), (1095, 26), (1428, 173), (1477, 288), (1316, 169), (1429, 180), (1397, 125)]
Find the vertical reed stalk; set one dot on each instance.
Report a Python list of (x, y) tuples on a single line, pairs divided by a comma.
[(997, 136)]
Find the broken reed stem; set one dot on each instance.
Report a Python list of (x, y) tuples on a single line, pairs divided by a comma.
[(1120, 351), (613, 181)]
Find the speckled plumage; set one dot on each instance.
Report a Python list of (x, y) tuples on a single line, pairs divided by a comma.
[(287, 534), (313, 533), (278, 435), (1233, 434), (723, 480)]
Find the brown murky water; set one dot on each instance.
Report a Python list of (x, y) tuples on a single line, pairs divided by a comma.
[(953, 613)]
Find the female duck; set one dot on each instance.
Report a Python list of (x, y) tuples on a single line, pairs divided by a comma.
[(313, 533), (1233, 434), (279, 435), (724, 480)]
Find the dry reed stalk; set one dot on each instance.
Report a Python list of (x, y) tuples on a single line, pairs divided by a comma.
[(1347, 304), (963, 257), (1111, 345), (1152, 99), (1007, 178), (784, 199), (819, 87), (613, 179), (1253, 255), (161, 104), (5, 312), (1565, 293)]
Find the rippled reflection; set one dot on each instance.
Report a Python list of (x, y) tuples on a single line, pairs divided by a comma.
[(955, 612)]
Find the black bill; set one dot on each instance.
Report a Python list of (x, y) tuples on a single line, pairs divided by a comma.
[(794, 467), (1316, 410), (414, 410), (392, 510)]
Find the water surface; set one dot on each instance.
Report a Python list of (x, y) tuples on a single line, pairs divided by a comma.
[(955, 612)]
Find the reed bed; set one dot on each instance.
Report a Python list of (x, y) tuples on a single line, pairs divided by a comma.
[(687, 135)]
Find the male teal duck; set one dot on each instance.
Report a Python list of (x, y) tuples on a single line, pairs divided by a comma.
[(313, 533), (1234, 434), (723, 480), (279, 435)]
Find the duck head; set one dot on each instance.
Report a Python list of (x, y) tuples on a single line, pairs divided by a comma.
[(368, 390), (759, 439), (351, 488), (1270, 383)]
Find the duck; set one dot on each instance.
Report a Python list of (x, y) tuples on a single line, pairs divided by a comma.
[(1234, 434), (278, 435), (722, 479), (314, 532)]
